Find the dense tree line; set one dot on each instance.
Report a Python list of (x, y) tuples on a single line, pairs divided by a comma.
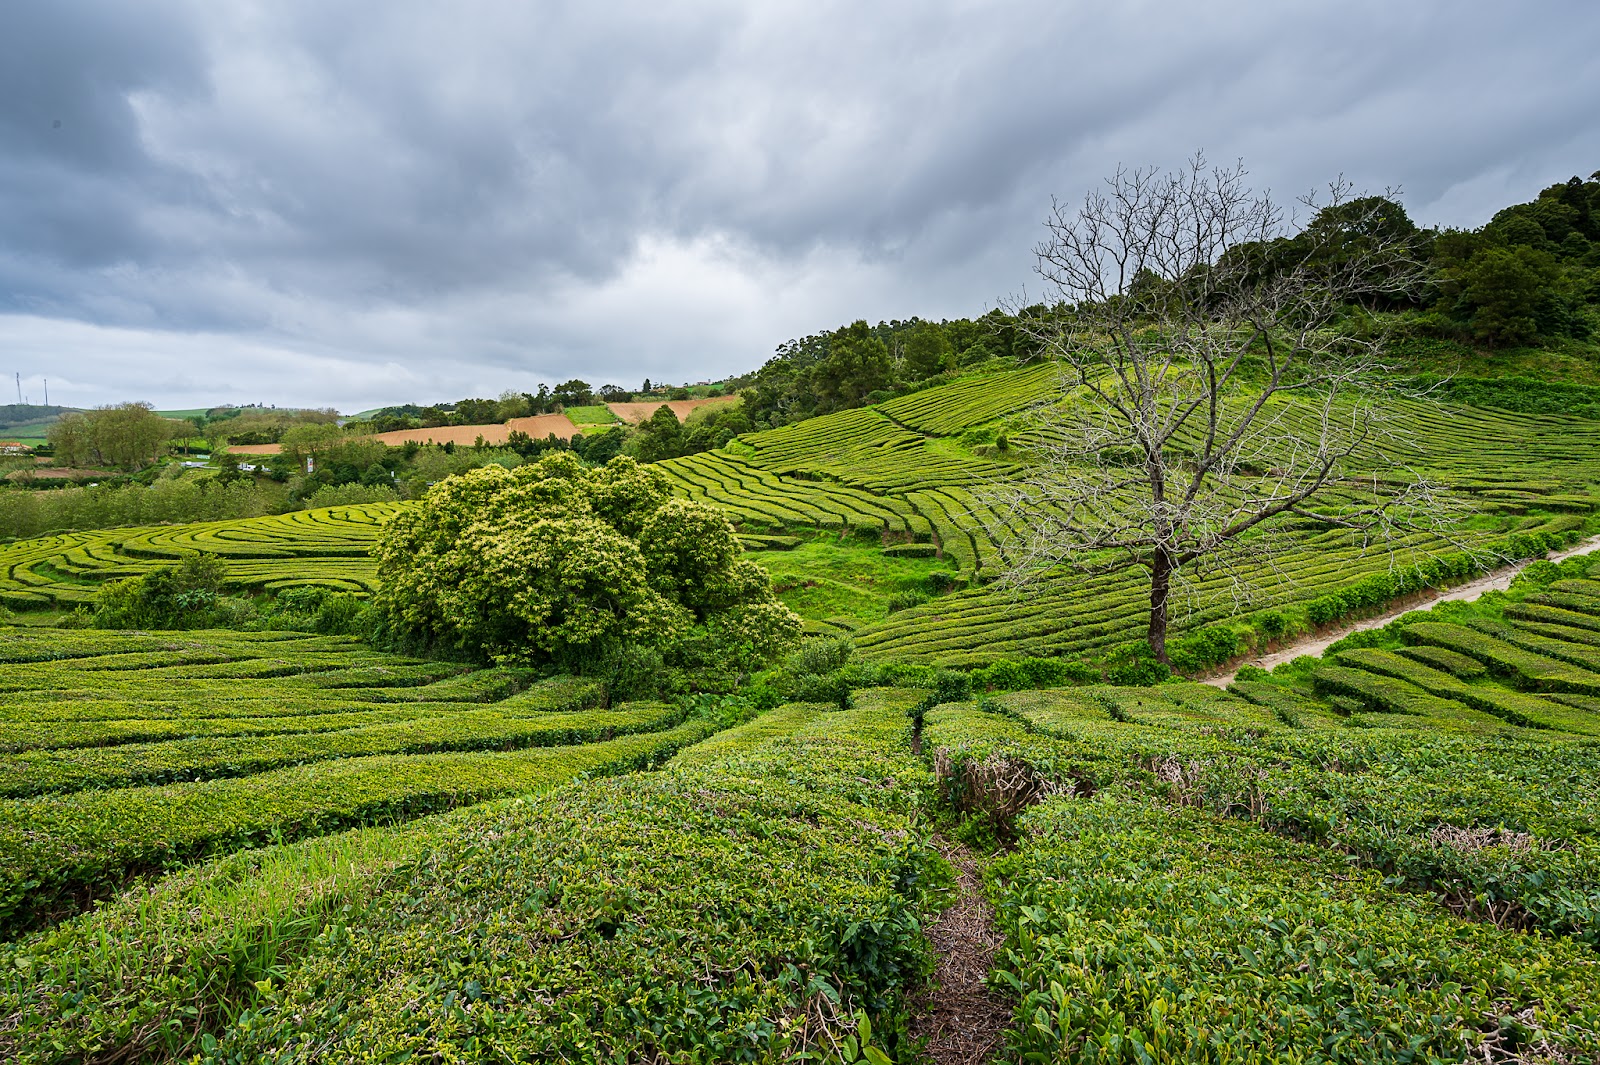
[(861, 364), (1531, 275), (547, 400), (128, 436)]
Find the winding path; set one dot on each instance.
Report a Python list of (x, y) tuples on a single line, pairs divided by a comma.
[(1318, 642)]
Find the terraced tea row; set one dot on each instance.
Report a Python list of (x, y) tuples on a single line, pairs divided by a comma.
[(132, 752), (1157, 859), (326, 548), (765, 894), (1267, 855), (1082, 616), (1538, 666)]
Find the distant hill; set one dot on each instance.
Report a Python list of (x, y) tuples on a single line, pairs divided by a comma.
[(28, 421)]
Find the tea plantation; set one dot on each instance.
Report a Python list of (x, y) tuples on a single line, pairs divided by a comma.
[(232, 846)]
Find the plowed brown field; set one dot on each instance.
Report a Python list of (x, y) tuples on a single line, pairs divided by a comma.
[(539, 426), (634, 413)]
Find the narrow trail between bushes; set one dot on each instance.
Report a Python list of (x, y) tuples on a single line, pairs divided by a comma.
[(961, 1019), (1316, 643)]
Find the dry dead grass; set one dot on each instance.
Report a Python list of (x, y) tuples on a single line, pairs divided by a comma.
[(961, 1019)]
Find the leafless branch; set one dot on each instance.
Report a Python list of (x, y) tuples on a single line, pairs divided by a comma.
[(1208, 399)]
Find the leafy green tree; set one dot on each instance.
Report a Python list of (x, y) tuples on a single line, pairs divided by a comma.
[(927, 351), (1501, 289), (556, 563), (130, 436), (858, 363), (573, 393), (476, 412), (658, 437), (310, 441), (601, 447), (712, 427)]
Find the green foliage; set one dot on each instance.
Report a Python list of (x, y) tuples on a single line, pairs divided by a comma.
[(1526, 395), (906, 600), (1204, 648), (128, 436), (185, 596), (763, 858), (557, 563), (1214, 941)]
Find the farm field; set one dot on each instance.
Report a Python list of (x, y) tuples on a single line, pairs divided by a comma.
[(886, 485), (130, 752), (1253, 845), (1328, 857), (903, 472), (226, 846), (538, 426), (639, 411), (326, 548)]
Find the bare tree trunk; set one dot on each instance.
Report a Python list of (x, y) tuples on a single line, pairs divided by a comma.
[(1160, 591)]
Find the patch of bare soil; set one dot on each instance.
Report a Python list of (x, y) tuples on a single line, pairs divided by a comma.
[(634, 413), (961, 1019), (537, 426)]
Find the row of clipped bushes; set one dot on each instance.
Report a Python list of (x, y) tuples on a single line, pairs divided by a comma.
[(83, 843), (762, 898), (212, 757)]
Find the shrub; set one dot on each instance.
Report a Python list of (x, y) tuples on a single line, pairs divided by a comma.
[(1137, 671), (906, 600), (1271, 624), (910, 550), (558, 563), (822, 654), (184, 596), (1204, 648)]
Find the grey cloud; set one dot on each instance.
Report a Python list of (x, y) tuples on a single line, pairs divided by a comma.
[(466, 196)]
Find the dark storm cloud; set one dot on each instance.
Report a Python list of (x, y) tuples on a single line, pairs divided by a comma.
[(363, 202)]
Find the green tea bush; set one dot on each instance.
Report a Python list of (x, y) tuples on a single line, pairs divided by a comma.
[(1204, 648), (906, 600), (762, 902), (87, 842), (1138, 934)]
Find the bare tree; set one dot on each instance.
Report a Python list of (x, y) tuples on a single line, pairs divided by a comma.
[(1206, 390)]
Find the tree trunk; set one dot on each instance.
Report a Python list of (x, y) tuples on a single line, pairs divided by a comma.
[(1160, 589)]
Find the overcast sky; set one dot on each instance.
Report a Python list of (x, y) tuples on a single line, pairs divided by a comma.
[(361, 202)]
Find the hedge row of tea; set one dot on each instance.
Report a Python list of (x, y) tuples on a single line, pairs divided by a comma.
[(1241, 879), (1212, 879), (908, 469), (127, 752), (1531, 661), (761, 898), (1327, 575), (324, 548)]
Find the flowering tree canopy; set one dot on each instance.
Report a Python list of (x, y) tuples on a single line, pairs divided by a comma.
[(558, 563)]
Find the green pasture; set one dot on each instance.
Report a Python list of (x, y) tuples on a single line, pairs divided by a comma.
[(596, 415), (848, 578)]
